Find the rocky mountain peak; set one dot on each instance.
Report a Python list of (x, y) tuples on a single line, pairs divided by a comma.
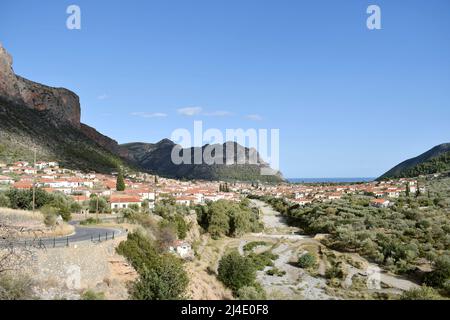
[(62, 103)]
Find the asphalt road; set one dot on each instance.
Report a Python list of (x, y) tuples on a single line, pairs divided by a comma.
[(81, 233)]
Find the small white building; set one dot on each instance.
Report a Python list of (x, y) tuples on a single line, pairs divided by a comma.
[(181, 248), (124, 202), (380, 203), (6, 180)]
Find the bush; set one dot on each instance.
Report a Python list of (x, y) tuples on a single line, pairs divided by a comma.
[(263, 260), (236, 271), (225, 217), (422, 293), (90, 221), (335, 271), (252, 245), (15, 288), (441, 273), (306, 261), (161, 275), (4, 201), (251, 293), (167, 280), (275, 272), (92, 295)]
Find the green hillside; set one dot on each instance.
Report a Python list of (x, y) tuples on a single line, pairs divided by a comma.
[(23, 129), (434, 160)]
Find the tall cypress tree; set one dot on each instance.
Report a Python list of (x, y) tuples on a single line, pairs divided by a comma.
[(120, 184)]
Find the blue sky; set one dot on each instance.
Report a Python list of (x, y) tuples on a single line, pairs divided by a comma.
[(348, 101)]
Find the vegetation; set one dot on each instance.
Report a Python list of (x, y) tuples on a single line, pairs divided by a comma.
[(50, 204), (22, 129), (422, 293), (252, 245), (98, 204), (307, 260), (400, 238), (438, 164), (92, 295), (435, 160), (275, 272), (236, 271), (161, 275), (90, 221), (15, 287), (255, 292), (227, 218), (120, 183), (263, 260)]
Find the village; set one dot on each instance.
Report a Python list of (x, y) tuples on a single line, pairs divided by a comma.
[(145, 189)]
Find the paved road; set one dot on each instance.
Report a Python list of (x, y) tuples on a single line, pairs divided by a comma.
[(81, 233)]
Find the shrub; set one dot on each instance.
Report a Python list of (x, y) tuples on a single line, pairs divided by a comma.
[(263, 260), (422, 293), (252, 245), (251, 293), (236, 271), (167, 280), (335, 271), (275, 272), (306, 261), (92, 295), (441, 273), (15, 288), (4, 201), (90, 221), (161, 276)]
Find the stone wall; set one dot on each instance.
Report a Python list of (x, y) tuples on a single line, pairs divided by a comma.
[(68, 272)]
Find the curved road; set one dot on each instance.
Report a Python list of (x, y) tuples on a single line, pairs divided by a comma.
[(82, 233)]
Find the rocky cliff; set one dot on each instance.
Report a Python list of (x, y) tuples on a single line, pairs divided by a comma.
[(62, 103)]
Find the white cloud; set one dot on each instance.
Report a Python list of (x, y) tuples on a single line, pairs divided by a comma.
[(149, 114), (190, 111), (219, 113), (103, 97), (254, 117)]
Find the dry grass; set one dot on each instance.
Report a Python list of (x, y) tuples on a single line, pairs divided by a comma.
[(21, 218), (32, 224)]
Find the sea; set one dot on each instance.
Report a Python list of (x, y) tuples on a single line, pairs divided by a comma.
[(331, 180)]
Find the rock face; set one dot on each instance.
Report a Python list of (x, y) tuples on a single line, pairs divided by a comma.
[(62, 103), (157, 158), (106, 142)]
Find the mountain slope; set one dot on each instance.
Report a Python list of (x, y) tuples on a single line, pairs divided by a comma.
[(434, 160), (22, 129), (157, 158)]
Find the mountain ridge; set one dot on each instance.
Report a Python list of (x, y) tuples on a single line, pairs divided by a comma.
[(436, 159)]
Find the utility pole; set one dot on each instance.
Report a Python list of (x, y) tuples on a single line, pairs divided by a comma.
[(34, 180), (96, 212)]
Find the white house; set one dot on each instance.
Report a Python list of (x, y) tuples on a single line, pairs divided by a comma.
[(124, 201), (182, 248), (380, 203), (6, 180)]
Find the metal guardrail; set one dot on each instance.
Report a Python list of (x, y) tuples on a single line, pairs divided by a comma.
[(44, 243)]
